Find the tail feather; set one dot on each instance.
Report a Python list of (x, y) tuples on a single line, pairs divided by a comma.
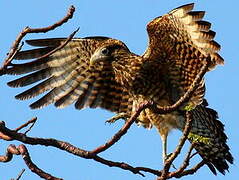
[(211, 139)]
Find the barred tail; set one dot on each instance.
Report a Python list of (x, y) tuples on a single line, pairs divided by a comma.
[(210, 140)]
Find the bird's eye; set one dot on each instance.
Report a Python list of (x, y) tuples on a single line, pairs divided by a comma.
[(105, 51)]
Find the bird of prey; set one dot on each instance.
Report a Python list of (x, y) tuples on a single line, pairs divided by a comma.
[(103, 72)]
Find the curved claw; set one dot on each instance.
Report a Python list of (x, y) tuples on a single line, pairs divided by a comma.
[(118, 116)]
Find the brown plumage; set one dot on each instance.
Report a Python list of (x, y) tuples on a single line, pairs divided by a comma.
[(102, 72)]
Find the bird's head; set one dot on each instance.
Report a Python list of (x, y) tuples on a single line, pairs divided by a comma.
[(114, 55), (109, 52)]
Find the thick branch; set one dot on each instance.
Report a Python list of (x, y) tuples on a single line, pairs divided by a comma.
[(26, 157), (123, 130)]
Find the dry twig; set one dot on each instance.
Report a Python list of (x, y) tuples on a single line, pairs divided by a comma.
[(15, 47), (32, 122), (20, 174)]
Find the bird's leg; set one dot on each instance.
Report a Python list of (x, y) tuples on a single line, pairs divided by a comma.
[(116, 117), (164, 146)]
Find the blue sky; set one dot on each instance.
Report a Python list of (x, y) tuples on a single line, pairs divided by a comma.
[(124, 20)]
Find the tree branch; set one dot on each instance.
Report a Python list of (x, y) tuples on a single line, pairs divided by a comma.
[(15, 47), (22, 150), (93, 154), (20, 174), (32, 122), (184, 165), (63, 146), (123, 130), (80, 152), (191, 171)]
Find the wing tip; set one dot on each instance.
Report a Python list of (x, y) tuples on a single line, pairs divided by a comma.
[(49, 42), (187, 7), (37, 105), (12, 84), (22, 97), (59, 104)]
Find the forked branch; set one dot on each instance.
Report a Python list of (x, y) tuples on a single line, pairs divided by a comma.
[(164, 174)]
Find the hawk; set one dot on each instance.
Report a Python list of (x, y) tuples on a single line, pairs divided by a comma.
[(102, 72)]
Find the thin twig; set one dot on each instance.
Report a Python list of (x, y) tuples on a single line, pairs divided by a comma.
[(32, 121), (192, 170), (61, 46), (183, 138), (20, 174), (15, 47), (184, 164)]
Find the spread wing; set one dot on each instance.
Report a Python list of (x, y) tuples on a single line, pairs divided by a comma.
[(67, 75), (183, 41)]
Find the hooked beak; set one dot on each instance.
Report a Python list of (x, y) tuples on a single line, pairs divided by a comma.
[(96, 58)]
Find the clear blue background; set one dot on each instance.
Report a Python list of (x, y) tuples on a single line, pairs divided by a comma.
[(125, 20)]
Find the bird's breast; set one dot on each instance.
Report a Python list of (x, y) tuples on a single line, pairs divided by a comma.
[(163, 122)]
